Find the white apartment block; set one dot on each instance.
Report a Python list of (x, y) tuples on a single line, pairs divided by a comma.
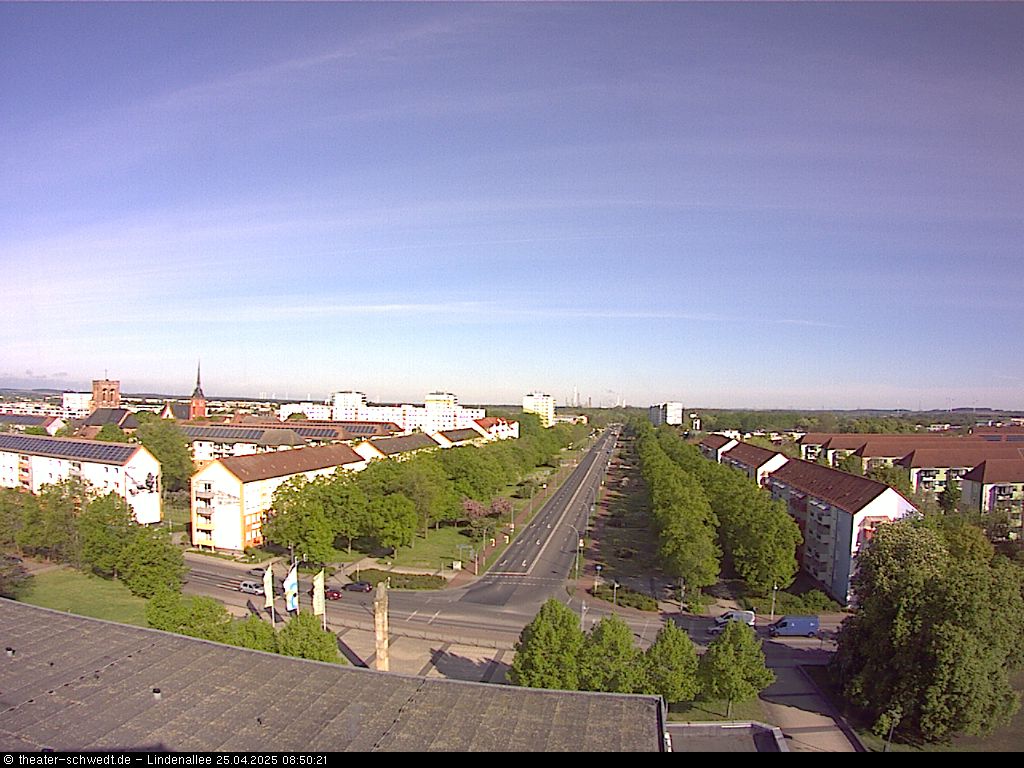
[(30, 462), (313, 411), (666, 413), (75, 405), (440, 411), (542, 405), (231, 497)]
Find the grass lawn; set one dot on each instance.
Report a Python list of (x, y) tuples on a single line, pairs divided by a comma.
[(442, 544), (65, 589), (714, 711)]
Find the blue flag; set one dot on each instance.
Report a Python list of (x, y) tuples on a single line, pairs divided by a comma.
[(291, 589)]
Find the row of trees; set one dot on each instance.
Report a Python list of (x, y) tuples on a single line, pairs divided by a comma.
[(390, 501), (68, 523), (683, 518), (203, 617), (553, 652), (937, 631), (757, 536)]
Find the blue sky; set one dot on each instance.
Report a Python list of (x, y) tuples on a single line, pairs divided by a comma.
[(730, 205)]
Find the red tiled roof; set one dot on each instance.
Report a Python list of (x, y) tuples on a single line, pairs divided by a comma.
[(715, 441), (461, 435), (849, 492), (969, 455), (749, 455), (262, 466), (891, 447), (853, 440), (997, 471)]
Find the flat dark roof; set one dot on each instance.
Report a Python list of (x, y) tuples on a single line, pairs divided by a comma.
[(75, 684)]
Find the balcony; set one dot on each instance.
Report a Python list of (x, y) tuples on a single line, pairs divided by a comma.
[(204, 495), (204, 523)]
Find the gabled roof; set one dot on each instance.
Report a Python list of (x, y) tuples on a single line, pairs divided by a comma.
[(750, 455), (892, 447), (962, 455), (390, 446), (461, 435), (120, 417), (816, 438), (96, 451), (262, 466), (25, 420), (846, 491), (715, 442), (997, 471)]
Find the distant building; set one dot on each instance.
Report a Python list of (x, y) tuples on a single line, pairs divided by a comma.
[(316, 411), (571, 418), (931, 468), (221, 442), (713, 446), (121, 418), (996, 485), (542, 405), (398, 448), (106, 393), (453, 438), (666, 413), (231, 497), (440, 411), (19, 422), (497, 429), (75, 405), (753, 460), (130, 471), (197, 405)]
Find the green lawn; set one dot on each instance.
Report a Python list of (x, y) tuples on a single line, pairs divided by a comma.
[(428, 552), (66, 589), (714, 711)]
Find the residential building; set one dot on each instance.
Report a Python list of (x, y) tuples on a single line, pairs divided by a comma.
[(497, 428), (29, 462), (571, 418), (316, 411), (398, 448), (753, 460), (19, 422), (231, 497), (931, 468), (453, 438), (441, 411), (996, 485), (837, 513), (713, 446), (121, 418), (75, 405), (666, 413), (218, 442), (542, 405)]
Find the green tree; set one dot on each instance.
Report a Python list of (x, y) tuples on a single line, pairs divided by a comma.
[(852, 464), (608, 660), (733, 666), (13, 510), (299, 521), (937, 631), (40, 431), (152, 563), (346, 507), (897, 478), (107, 527), (50, 525), (670, 666), (949, 498), (304, 637), (111, 433), (170, 446), (190, 615), (13, 579), (297, 417), (548, 650), (252, 632), (393, 520)]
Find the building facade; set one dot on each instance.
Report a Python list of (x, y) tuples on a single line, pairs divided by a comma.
[(666, 413), (541, 404), (106, 393), (29, 462), (441, 411)]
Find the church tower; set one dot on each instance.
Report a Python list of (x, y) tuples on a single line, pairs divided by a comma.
[(197, 405)]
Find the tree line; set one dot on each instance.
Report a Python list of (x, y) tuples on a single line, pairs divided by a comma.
[(390, 502), (554, 652)]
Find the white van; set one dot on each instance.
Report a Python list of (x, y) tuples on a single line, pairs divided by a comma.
[(747, 617), (251, 587)]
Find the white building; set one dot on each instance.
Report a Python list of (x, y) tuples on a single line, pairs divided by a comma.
[(317, 411), (497, 429), (752, 460), (75, 405), (666, 413), (130, 471), (440, 411), (231, 497), (542, 405)]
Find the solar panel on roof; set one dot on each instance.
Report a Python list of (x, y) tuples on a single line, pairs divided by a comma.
[(107, 453)]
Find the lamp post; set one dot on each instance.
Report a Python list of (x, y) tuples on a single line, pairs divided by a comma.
[(615, 593), (775, 589), (579, 545)]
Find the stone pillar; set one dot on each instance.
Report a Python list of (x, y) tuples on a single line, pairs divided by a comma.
[(380, 627)]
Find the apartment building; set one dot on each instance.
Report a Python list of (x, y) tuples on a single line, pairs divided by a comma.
[(996, 485), (495, 428), (931, 468), (19, 422), (212, 443), (231, 497), (837, 514), (542, 405), (753, 461), (666, 413), (713, 446), (440, 411), (30, 462), (399, 448)]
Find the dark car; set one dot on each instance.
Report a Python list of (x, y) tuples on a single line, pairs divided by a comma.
[(257, 572), (358, 586), (329, 594)]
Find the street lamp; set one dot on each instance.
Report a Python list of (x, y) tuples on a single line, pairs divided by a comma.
[(579, 546), (775, 588), (615, 592)]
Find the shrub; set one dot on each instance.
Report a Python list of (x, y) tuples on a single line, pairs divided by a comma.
[(404, 580), (626, 596)]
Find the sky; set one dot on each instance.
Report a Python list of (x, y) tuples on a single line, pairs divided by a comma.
[(729, 205)]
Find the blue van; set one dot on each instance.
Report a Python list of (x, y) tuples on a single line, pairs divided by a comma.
[(790, 626)]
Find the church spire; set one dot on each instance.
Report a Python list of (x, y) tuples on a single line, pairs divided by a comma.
[(197, 406), (198, 393)]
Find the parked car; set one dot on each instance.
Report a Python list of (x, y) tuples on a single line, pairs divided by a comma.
[(747, 617), (358, 586), (251, 587), (795, 626)]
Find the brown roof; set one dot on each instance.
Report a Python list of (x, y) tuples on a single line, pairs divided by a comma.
[(816, 438), (715, 441), (849, 492), (281, 463), (389, 446), (491, 421), (750, 455), (853, 440), (997, 471), (891, 447), (964, 455), (461, 435)]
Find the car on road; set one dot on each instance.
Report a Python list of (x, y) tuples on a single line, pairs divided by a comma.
[(358, 586), (329, 594), (251, 588), (258, 572), (747, 617)]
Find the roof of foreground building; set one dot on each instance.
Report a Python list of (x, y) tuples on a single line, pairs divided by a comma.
[(70, 683)]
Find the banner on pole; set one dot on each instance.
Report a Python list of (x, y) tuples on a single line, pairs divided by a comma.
[(318, 594), (291, 589), (268, 586)]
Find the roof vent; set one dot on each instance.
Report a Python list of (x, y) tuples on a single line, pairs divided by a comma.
[(156, 694), (10, 651)]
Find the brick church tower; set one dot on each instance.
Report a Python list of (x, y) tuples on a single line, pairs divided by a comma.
[(197, 405)]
